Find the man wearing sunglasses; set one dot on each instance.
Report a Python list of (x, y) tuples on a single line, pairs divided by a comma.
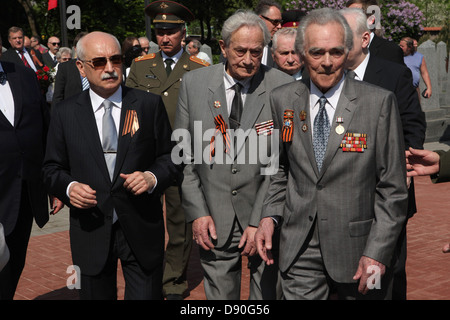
[(270, 12), (108, 157), (161, 73), (50, 56)]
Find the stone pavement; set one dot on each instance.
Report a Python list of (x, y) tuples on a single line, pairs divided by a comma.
[(46, 271)]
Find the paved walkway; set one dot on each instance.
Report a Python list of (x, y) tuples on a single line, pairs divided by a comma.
[(46, 272)]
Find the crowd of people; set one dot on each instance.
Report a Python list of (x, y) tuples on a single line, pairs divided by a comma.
[(336, 104)]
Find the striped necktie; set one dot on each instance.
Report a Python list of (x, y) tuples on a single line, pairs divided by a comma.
[(85, 83), (24, 59)]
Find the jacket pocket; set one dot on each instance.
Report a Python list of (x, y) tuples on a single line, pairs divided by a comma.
[(360, 228)]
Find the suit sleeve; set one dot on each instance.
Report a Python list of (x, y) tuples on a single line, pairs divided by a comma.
[(276, 194), (391, 192), (194, 202), (60, 80), (56, 167), (411, 114), (163, 167)]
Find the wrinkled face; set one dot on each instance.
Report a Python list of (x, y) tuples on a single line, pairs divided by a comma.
[(53, 44), (272, 18), (285, 56), (244, 53), (190, 48), (324, 54), (16, 40), (169, 40), (103, 80)]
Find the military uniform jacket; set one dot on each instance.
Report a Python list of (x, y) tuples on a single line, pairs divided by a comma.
[(149, 73)]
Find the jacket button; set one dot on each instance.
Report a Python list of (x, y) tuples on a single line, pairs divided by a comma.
[(310, 218), (234, 170), (234, 192), (165, 93)]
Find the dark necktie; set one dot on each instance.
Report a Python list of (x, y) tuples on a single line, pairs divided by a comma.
[(2, 78), (236, 107), (351, 74), (321, 133), (24, 60), (109, 137), (169, 63)]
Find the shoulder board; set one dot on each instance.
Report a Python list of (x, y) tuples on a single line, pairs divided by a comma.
[(146, 57), (198, 60)]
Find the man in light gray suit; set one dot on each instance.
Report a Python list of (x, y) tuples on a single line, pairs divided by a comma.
[(340, 194), (224, 185)]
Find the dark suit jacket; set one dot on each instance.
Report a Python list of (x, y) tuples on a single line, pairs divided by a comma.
[(22, 147), (11, 55), (67, 81), (386, 49), (48, 60), (74, 153), (398, 79)]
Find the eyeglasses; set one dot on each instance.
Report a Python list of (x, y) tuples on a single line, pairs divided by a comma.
[(275, 22), (101, 62), (55, 43)]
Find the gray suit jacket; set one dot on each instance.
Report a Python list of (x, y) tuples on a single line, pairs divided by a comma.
[(234, 188), (358, 200)]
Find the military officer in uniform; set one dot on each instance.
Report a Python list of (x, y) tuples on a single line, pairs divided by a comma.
[(161, 73)]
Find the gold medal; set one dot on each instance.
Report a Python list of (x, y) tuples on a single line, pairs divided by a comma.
[(340, 129)]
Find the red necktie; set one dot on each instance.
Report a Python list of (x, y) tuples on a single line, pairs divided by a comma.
[(25, 62)]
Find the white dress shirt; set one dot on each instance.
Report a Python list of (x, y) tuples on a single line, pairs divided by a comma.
[(332, 96), (28, 57), (229, 82), (175, 58), (6, 100), (361, 69)]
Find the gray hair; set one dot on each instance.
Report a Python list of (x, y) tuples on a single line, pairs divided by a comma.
[(81, 54), (196, 44), (283, 32), (63, 50), (360, 18), (323, 17), (243, 18)]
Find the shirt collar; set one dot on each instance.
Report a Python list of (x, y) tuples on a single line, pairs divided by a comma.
[(332, 94), (229, 81), (115, 98), (175, 57), (361, 69)]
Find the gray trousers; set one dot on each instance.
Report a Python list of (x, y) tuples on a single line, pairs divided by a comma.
[(223, 272), (307, 278)]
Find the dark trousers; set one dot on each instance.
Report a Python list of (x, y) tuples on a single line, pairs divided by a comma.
[(139, 284), (17, 242)]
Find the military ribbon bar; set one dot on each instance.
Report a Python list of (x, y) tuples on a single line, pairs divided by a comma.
[(288, 126), (131, 124)]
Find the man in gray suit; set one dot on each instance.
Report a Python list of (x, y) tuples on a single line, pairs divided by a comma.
[(223, 191), (340, 193)]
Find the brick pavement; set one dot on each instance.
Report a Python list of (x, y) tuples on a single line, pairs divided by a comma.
[(44, 276)]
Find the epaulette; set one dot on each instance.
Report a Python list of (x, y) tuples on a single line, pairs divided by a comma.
[(146, 57), (199, 61)]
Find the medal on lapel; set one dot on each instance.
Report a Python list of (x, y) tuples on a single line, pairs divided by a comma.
[(303, 118), (288, 125), (340, 128)]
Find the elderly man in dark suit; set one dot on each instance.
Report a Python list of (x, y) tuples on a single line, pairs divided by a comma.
[(223, 193), (24, 120), (398, 79), (108, 158), (340, 193)]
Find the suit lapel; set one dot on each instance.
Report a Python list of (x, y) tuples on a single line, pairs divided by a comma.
[(128, 103), (345, 109), (373, 70), (86, 119)]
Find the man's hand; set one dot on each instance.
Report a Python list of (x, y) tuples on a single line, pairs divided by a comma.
[(263, 239), (82, 196), (363, 275), (138, 182), (202, 228), (248, 239), (421, 162), (55, 205), (446, 248)]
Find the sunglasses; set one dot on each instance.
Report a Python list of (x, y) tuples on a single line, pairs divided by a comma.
[(101, 62), (55, 43), (275, 22)]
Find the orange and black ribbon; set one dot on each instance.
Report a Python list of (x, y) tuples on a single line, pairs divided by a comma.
[(221, 126), (131, 124), (288, 126)]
